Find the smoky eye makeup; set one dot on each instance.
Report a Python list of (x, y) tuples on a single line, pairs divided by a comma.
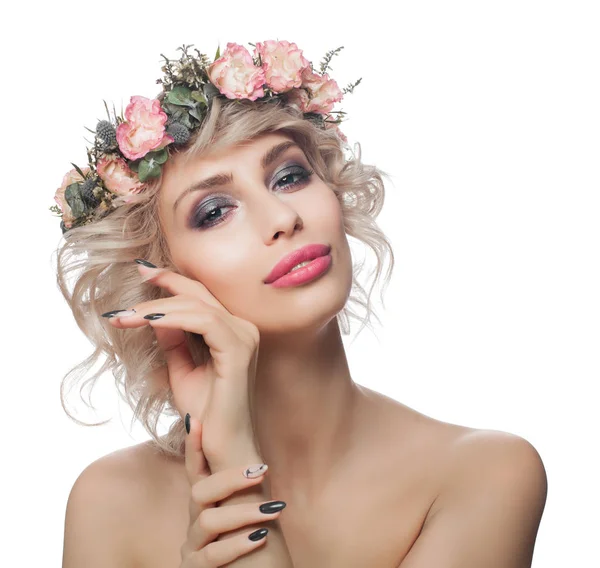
[(204, 213), (213, 209)]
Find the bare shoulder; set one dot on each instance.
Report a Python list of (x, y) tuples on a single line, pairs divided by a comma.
[(491, 461), (490, 506), (452, 458), (110, 499), (130, 472), (494, 454), (459, 448)]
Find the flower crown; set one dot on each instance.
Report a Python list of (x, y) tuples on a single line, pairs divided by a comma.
[(129, 151)]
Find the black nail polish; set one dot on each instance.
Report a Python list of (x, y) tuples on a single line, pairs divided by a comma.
[(257, 535), (111, 314), (187, 422), (145, 263), (153, 316), (272, 507)]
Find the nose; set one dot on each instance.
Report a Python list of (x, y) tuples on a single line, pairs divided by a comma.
[(277, 218)]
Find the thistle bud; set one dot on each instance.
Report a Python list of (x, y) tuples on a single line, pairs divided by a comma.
[(179, 132), (106, 135)]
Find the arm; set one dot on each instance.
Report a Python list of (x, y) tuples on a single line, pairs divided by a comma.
[(491, 510), (95, 523)]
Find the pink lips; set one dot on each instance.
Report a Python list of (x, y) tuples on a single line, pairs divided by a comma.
[(308, 252)]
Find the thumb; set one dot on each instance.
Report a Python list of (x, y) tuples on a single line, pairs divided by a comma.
[(174, 346), (179, 366)]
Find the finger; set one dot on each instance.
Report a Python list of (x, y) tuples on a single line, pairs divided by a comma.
[(246, 331), (218, 335), (161, 305), (214, 521), (196, 465), (190, 393), (222, 552), (173, 344), (222, 484), (172, 341), (178, 284)]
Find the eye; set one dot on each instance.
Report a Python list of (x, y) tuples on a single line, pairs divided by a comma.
[(208, 215), (292, 172)]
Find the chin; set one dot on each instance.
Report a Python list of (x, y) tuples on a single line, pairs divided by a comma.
[(308, 306)]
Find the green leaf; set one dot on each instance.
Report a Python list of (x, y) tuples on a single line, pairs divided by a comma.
[(218, 54), (314, 117), (199, 96), (159, 156), (180, 96), (210, 91), (179, 114), (173, 110), (134, 165), (106, 107), (185, 120), (78, 170), (73, 198), (197, 114), (148, 169)]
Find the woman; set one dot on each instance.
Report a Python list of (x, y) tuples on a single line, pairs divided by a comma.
[(236, 335)]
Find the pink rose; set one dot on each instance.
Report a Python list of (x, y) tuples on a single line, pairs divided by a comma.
[(70, 177), (282, 63), (324, 92), (118, 176), (235, 74), (298, 98), (144, 130)]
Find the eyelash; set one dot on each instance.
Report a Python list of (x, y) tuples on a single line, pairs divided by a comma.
[(198, 221)]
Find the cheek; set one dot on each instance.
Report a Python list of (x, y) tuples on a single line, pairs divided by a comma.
[(222, 265), (326, 214), (228, 270)]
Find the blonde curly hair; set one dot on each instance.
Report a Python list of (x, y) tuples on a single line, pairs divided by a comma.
[(99, 257)]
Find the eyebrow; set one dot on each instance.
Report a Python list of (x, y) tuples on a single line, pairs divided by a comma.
[(219, 180)]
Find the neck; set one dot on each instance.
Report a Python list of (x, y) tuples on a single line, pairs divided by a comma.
[(305, 407)]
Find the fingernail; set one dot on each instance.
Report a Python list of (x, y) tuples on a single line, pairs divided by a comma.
[(272, 507), (187, 422), (255, 470), (153, 316), (145, 263), (111, 314), (257, 535), (119, 313)]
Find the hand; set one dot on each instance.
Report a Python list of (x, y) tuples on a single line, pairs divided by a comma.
[(207, 521), (216, 393)]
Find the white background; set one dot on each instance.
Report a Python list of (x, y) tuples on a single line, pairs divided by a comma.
[(487, 116)]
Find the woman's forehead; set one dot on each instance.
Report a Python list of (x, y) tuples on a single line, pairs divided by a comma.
[(258, 143), (231, 152)]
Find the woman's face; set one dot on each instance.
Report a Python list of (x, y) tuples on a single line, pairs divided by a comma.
[(231, 235)]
